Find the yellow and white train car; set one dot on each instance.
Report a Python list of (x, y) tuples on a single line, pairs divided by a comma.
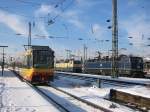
[(69, 66), (37, 65)]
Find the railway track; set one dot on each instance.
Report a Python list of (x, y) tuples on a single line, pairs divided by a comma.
[(101, 77), (132, 106), (58, 104), (63, 107), (79, 100), (113, 83), (82, 100), (101, 82)]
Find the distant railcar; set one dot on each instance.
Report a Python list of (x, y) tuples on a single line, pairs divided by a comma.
[(37, 64), (128, 66), (69, 66), (147, 68)]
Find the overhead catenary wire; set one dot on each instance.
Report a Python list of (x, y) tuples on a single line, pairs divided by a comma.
[(63, 9), (19, 13), (28, 17), (25, 17), (29, 2), (8, 10)]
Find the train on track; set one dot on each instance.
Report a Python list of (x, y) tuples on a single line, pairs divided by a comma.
[(129, 66), (147, 67), (36, 64), (69, 66)]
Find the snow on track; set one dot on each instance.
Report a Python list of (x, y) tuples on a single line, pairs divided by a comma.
[(94, 95), (17, 96), (70, 103)]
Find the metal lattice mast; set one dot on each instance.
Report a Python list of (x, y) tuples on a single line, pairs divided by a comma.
[(84, 56), (114, 40), (29, 37), (3, 60), (29, 46)]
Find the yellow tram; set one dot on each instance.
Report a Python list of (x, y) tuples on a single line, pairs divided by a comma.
[(37, 65)]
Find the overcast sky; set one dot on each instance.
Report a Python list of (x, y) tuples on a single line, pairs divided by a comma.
[(73, 20)]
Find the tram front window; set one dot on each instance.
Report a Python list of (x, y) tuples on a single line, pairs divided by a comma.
[(41, 59)]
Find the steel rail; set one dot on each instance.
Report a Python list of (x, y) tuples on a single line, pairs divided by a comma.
[(82, 100), (56, 104), (91, 80), (86, 76), (123, 84), (71, 95)]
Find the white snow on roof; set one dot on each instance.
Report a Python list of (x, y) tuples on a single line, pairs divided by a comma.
[(147, 58)]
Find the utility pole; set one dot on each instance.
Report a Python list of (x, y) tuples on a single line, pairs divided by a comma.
[(68, 56), (3, 62), (84, 56), (85, 53), (68, 53), (29, 45), (114, 40), (29, 37)]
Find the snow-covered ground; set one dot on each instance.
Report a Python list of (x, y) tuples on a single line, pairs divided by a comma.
[(87, 92), (136, 90), (104, 91), (70, 103), (17, 96)]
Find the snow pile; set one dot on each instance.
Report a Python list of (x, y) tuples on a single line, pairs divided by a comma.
[(137, 90), (90, 93)]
